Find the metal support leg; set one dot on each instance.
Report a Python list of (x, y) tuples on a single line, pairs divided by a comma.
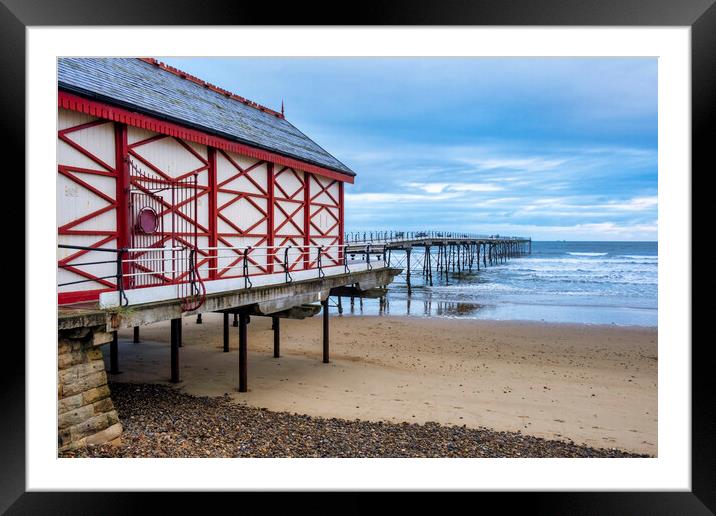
[(175, 343), (179, 329), (243, 356), (324, 305), (198, 319), (236, 320), (226, 332), (136, 335), (276, 337), (114, 354), (407, 274)]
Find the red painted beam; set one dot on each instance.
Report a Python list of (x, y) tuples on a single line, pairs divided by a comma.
[(270, 220), (213, 212)]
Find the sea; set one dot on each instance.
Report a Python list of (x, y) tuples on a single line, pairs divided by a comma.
[(560, 282)]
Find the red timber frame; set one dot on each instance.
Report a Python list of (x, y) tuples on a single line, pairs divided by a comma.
[(326, 204), (290, 203), (174, 208), (103, 237), (230, 269), (282, 214)]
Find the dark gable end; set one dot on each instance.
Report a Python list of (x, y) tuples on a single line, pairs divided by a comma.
[(145, 87)]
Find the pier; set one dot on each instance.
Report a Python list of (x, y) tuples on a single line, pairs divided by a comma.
[(441, 253)]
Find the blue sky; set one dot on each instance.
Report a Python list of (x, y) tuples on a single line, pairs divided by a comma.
[(553, 148)]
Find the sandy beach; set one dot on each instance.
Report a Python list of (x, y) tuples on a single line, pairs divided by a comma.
[(593, 385)]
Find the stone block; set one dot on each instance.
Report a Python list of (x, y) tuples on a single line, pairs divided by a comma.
[(102, 337), (102, 406), (90, 426), (79, 371), (75, 417), (109, 434), (95, 394), (82, 356), (77, 333), (85, 383), (64, 438), (70, 403)]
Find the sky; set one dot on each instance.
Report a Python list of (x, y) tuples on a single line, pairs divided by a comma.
[(552, 148)]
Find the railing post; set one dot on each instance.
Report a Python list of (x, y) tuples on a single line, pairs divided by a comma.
[(285, 265), (120, 278), (345, 261), (247, 281), (321, 274)]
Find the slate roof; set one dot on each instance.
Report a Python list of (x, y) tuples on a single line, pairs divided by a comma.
[(155, 91)]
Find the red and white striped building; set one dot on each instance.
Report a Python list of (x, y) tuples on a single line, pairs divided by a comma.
[(173, 187)]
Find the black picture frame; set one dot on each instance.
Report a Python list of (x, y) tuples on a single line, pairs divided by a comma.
[(700, 15)]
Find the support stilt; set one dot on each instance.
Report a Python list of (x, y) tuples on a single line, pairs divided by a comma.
[(198, 319), (276, 337), (180, 326), (236, 320), (243, 353), (175, 344), (226, 332), (324, 305), (114, 354), (136, 335), (407, 275)]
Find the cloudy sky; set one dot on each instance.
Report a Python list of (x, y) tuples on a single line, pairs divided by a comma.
[(553, 148)]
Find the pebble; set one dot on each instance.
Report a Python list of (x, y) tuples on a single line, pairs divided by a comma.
[(160, 421)]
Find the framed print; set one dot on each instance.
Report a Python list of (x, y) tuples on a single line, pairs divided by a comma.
[(444, 248)]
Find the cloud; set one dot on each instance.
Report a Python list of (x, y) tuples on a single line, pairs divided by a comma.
[(455, 187), (531, 164), (634, 204), (362, 199), (581, 205)]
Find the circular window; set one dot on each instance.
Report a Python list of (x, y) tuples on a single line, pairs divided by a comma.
[(147, 221)]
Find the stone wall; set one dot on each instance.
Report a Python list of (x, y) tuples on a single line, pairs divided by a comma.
[(86, 415)]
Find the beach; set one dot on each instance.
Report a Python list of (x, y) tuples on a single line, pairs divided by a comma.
[(592, 385)]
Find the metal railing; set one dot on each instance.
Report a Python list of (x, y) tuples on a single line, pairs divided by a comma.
[(388, 236), (160, 266)]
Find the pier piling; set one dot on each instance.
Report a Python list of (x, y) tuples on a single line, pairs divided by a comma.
[(407, 275), (114, 354), (174, 349), (276, 337), (324, 305), (226, 332), (136, 335), (243, 353), (179, 329)]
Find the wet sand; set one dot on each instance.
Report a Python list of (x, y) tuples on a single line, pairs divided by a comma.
[(594, 385)]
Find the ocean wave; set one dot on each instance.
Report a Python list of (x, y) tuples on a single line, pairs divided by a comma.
[(588, 254)]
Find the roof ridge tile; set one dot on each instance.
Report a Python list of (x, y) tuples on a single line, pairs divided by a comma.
[(212, 87)]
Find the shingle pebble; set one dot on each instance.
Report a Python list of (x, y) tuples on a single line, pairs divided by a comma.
[(162, 422)]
